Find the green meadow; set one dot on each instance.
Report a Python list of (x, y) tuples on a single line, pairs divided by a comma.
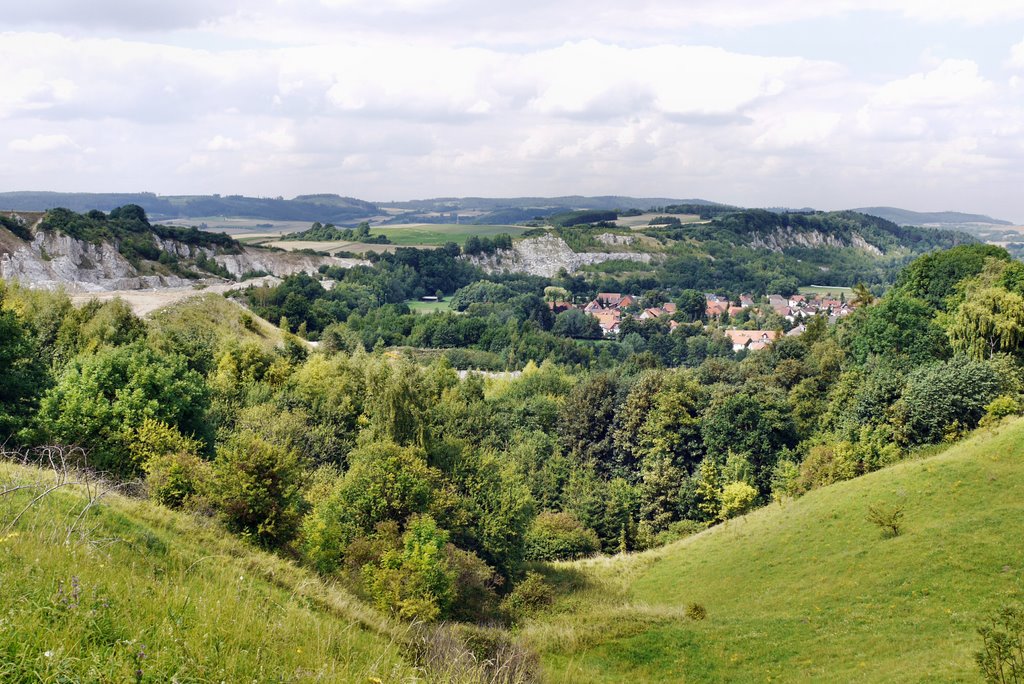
[(810, 590), (432, 234)]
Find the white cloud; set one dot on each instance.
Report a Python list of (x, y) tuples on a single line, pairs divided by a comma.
[(953, 82), (42, 143)]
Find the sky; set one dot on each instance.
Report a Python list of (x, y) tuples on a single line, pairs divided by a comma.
[(829, 104)]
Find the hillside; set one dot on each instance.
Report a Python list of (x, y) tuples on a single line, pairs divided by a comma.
[(332, 208), (905, 217), (129, 591), (811, 591)]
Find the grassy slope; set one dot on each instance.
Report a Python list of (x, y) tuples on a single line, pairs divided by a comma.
[(202, 606), (219, 315), (810, 591)]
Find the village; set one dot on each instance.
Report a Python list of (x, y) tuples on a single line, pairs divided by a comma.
[(611, 308)]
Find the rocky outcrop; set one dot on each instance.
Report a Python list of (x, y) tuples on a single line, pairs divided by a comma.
[(546, 256), (53, 260), (280, 264), (784, 238)]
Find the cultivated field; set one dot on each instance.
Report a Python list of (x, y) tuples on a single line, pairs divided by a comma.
[(641, 221), (436, 234)]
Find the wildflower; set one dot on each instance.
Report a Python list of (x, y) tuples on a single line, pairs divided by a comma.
[(48, 654)]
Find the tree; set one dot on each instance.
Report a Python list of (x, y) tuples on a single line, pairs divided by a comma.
[(946, 398), (862, 295), (737, 498), (933, 277), (258, 489), (576, 323), (757, 426), (416, 581), (24, 375), (101, 399), (988, 321), (896, 326), (692, 305), (559, 536), (585, 427), (385, 482)]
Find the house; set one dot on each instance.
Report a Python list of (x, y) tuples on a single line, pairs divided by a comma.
[(653, 312), (558, 307), (735, 310), (609, 299), (714, 309), (746, 301), (627, 300), (670, 307), (751, 339), (797, 331)]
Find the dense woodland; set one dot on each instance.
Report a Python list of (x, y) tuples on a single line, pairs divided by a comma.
[(430, 496)]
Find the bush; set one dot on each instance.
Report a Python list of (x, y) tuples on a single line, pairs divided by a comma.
[(175, 474), (680, 529), (1001, 658), (415, 582), (888, 518), (737, 499), (258, 489), (529, 596), (999, 408), (559, 536), (696, 611)]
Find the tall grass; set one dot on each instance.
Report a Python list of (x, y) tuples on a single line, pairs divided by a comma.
[(96, 586)]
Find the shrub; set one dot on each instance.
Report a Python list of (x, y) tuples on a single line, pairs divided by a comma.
[(529, 596), (696, 611), (999, 408), (559, 536), (737, 499), (888, 518), (177, 479), (258, 489), (1001, 658), (175, 474), (415, 582)]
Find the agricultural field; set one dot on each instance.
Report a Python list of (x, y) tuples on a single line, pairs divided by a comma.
[(436, 234), (642, 221), (828, 290)]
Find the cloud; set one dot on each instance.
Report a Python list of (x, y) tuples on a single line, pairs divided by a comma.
[(42, 143), (952, 83)]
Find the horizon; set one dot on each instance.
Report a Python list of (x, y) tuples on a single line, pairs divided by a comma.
[(903, 104)]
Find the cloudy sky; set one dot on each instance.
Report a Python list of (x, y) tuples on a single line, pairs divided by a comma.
[(831, 104)]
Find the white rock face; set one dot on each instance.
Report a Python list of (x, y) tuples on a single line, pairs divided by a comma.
[(280, 264), (782, 238), (545, 256), (54, 260)]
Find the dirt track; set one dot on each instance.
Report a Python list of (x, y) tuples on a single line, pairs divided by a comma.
[(144, 302)]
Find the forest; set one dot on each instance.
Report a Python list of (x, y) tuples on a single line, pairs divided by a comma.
[(432, 496)]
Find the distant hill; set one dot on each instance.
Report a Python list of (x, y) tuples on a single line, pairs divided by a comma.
[(905, 217), (324, 208), (560, 203)]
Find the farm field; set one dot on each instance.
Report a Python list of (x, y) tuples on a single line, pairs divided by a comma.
[(810, 590), (828, 290), (436, 234), (641, 221)]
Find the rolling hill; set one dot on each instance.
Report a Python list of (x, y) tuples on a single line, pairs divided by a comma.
[(810, 590), (905, 217)]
